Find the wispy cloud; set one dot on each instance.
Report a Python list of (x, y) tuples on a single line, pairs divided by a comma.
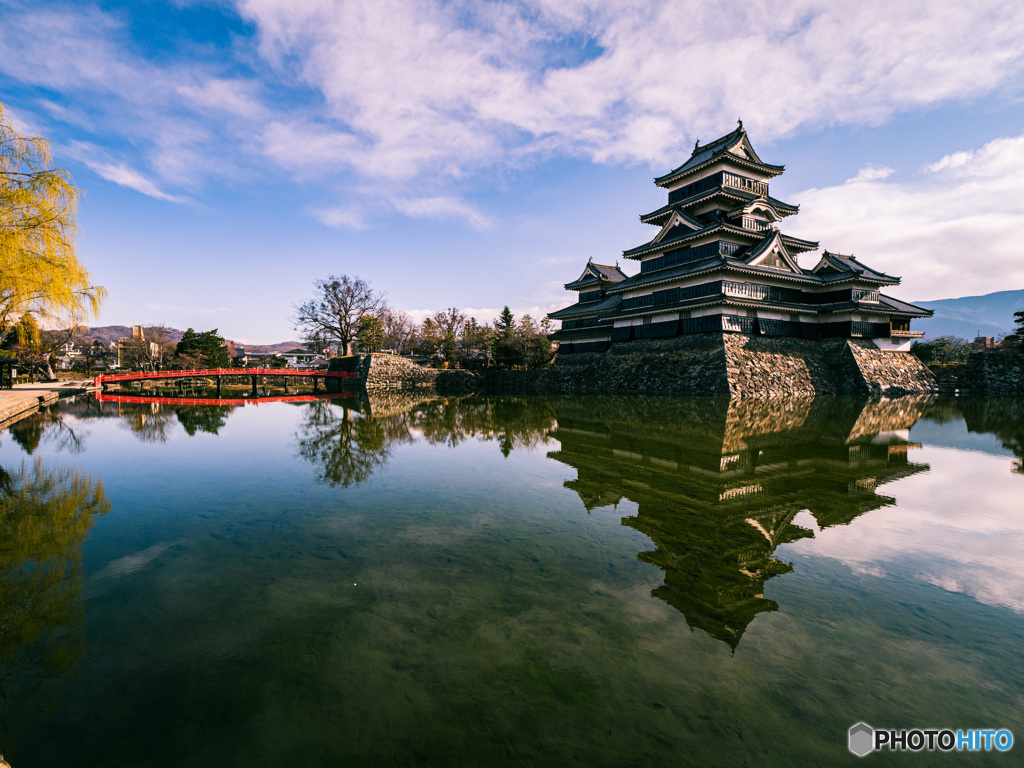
[(871, 173), (443, 208), (127, 177), (367, 94), (957, 224), (451, 87)]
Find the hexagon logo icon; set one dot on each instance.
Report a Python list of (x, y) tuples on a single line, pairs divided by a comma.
[(862, 739)]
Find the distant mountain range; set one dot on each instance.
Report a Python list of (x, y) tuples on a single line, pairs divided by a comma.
[(109, 333), (970, 316)]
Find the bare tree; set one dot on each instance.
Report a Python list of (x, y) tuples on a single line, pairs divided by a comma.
[(149, 352), (450, 323), (336, 310), (399, 331)]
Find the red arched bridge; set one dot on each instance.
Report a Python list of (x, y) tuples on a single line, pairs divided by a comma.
[(254, 374)]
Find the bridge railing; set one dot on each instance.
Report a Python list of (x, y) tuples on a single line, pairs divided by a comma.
[(105, 378)]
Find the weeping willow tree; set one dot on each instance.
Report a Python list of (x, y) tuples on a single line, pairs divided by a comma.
[(40, 273), (45, 516)]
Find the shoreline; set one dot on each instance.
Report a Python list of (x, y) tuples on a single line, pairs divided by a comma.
[(25, 399)]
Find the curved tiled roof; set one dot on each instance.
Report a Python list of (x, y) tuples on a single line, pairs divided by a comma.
[(847, 267), (607, 303), (717, 149), (903, 307), (651, 247), (594, 274), (739, 198)]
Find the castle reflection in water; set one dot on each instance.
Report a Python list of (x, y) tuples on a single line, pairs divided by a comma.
[(718, 484)]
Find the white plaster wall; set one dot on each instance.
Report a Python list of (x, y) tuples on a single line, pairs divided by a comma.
[(894, 344), (711, 170)]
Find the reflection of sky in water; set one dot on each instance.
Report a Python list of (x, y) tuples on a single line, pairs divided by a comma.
[(959, 527), (531, 582)]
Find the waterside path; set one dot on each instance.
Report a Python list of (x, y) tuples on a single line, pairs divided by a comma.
[(24, 399)]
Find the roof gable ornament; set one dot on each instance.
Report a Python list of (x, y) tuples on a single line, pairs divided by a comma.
[(772, 252), (676, 219)]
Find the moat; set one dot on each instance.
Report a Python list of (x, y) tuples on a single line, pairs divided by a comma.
[(526, 581)]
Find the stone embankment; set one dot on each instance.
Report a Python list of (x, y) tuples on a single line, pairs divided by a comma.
[(379, 371), (733, 365), (25, 399), (728, 365), (994, 373)]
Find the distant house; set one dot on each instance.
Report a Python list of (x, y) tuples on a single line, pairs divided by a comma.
[(253, 359), (298, 356), (293, 358)]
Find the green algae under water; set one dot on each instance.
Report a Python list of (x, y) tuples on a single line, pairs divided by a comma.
[(507, 581)]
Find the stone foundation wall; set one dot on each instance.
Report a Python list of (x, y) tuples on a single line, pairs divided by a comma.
[(737, 365), (380, 371), (690, 365), (774, 366), (718, 364), (890, 373), (994, 373)]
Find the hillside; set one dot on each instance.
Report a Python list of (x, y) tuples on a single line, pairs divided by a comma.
[(970, 316), (109, 333)]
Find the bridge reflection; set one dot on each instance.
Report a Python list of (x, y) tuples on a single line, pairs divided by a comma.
[(103, 397)]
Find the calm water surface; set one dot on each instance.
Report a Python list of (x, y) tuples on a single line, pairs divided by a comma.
[(502, 581)]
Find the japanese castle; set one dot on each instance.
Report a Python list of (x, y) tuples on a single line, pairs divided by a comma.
[(719, 263)]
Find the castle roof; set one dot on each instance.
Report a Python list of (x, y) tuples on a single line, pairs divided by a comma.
[(590, 307), (594, 274), (733, 146), (685, 235), (897, 307), (836, 266)]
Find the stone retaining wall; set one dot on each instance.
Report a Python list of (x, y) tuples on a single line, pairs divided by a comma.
[(26, 405), (721, 364), (691, 365), (994, 373), (890, 373), (380, 371), (774, 366), (737, 365)]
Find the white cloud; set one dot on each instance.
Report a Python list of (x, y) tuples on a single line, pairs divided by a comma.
[(128, 177), (871, 173), (956, 224), (452, 87), (341, 216), (371, 93), (443, 208), (970, 542), (235, 97), (157, 112)]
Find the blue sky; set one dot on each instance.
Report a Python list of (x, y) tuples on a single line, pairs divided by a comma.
[(476, 154)]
